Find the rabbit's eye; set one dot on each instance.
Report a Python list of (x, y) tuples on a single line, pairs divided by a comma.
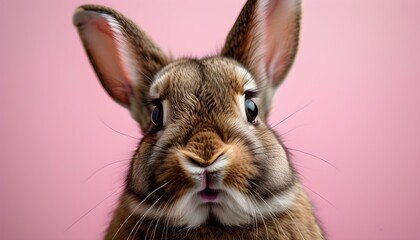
[(251, 110), (157, 115)]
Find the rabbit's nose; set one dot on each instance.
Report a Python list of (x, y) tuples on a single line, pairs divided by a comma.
[(193, 158), (199, 161), (204, 148)]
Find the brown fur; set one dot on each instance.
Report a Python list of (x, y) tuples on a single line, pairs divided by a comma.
[(204, 124), (295, 224)]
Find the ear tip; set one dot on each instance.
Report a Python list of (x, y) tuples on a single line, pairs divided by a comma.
[(80, 16), (84, 13)]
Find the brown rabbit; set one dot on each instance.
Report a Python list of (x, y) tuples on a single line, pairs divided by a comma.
[(208, 166)]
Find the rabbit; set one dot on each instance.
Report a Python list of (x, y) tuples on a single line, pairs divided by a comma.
[(208, 166)]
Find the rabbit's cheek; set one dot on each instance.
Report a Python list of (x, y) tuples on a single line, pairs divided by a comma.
[(170, 170), (240, 169)]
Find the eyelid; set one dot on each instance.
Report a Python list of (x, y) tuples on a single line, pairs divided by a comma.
[(154, 101), (251, 93)]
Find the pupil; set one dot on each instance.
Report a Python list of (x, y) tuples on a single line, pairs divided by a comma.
[(251, 110), (157, 116)]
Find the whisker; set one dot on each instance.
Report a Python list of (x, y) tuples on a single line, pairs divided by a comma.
[(297, 227), (93, 208), (135, 209), (140, 221), (166, 224), (319, 195), (124, 134), (105, 166), (254, 204), (150, 224), (271, 215), (255, 221), (285, 133), (160, 216), (314, 156), (276, 223), (292, 114)]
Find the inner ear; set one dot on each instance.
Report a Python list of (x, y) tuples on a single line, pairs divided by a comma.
[(109, 53), (124, 58), (264, 39)]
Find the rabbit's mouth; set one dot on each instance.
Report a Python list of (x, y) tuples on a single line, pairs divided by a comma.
[(209, 192), (209, 195)]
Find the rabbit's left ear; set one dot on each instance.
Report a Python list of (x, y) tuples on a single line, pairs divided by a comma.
[(264, 39), (125, 59)]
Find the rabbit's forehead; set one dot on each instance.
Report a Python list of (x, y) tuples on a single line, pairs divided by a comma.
[(213, 75)]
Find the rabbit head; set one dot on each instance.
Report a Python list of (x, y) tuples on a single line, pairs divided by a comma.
[(207, 153)]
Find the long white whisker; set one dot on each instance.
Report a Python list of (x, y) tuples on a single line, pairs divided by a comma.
[(140, 221), (160, 216), (153, 219), (135, 209), (166, 225), (253, 201), (297, 227), (276, 223), (97, 205)]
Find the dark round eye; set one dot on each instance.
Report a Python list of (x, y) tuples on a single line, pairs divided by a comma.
[(251, 110), (157, 115)]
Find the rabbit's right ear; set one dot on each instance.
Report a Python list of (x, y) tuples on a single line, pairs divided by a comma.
[(123, 57), (264, 39)]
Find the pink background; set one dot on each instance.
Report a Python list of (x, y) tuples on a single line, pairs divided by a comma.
[(357, 68)]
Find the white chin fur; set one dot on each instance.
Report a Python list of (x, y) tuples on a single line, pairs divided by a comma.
[(238, 209), (233, 209)]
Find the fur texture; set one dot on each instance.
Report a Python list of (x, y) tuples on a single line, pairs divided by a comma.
[(212, 168)]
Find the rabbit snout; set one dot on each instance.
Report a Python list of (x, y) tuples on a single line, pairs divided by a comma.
[(206, 156), (204, 148)]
